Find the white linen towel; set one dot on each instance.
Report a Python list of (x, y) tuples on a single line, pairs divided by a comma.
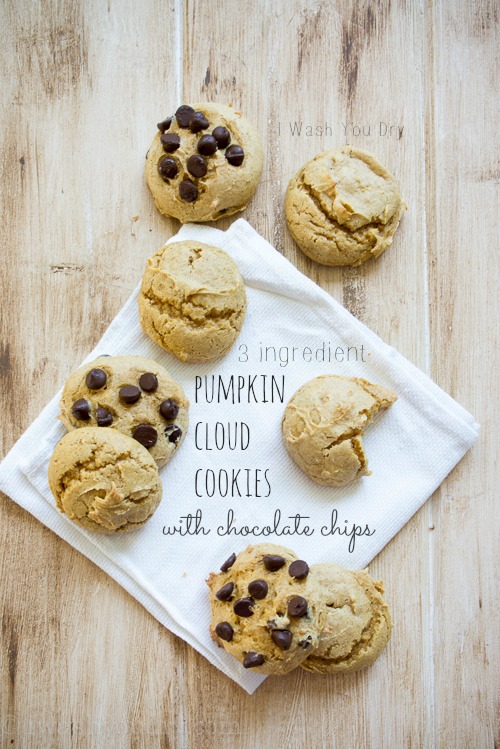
[(410, 448)]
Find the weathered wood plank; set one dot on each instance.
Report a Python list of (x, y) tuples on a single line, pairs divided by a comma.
[(463, 274)]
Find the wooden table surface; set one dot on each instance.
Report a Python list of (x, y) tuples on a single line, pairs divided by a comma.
[(84, 83)]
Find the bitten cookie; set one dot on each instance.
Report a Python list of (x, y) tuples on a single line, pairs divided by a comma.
[(133, 394), (323, 423), (264, 609), (358, 622), (192, 300), (343, 207), (205, 162), (104, 481)]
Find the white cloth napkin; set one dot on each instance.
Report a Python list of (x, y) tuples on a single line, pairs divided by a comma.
[(410, 449)]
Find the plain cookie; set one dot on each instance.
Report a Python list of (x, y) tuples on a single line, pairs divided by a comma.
[(342, 207), (133, 394), (205, 162), (264, 609), (358, 622), (323, 423), (104, 481), (192, 300)]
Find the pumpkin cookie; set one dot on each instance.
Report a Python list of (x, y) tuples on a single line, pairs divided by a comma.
[(192, 300), (323, 423), (205, 162), (342, 207), (358, 622), (264, 609), (133, 394), (104, 481)]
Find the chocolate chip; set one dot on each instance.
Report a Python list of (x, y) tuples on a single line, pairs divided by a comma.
[(129, 393), (96, 379), (298, 569), (225, 593), (148, 382), (207, 145), (169, 409), (81, 409), (188, 191), (304, 644), (228, 563), (146, 435), (244, 607), (165, 125), (103, 417), (258, 589), (282, 638), (197, 166), (273, 563), (198, 122), (173, 432), (170, 142), (253, 659), (222, 136), (167, 168), (297, 606), (224, 631), (235, 155), (183, 115)]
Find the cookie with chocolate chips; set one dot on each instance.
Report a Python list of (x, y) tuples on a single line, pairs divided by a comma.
[(264, 609), (132, 394), (205, 162)]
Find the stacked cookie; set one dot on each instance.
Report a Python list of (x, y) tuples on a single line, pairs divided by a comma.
[(127, 417), (273, 612), (104, 481)]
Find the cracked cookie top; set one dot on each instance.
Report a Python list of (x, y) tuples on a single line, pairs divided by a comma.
[(104, 480), (323, 423), (192, 300), (133, 394), (358, 622), (343, 207), (205, 162)]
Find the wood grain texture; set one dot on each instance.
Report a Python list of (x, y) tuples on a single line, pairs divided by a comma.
[(81, 663), (464, 361)]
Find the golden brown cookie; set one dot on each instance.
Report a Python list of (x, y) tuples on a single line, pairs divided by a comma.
[(358, 622), (192, 300), (323, 423), (133, 394), (205, 162), (104, 481), (264, 609), (343, 207)]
